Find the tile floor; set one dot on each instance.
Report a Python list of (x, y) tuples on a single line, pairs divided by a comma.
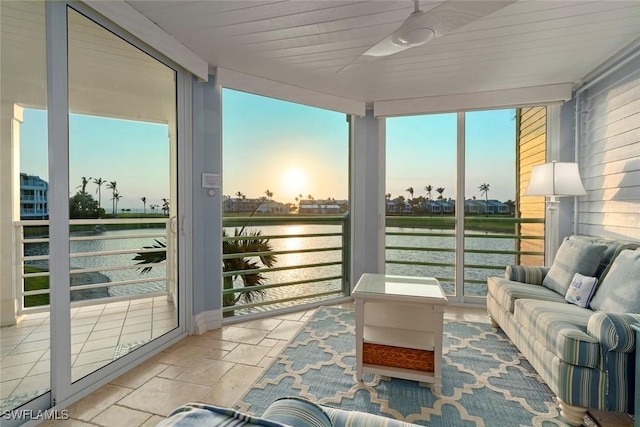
[(98, 334), (216, 367)]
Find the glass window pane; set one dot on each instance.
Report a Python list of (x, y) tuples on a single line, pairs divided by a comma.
[(420, 197), (286, 178), (122, 187), (490, 227), (24, 176)]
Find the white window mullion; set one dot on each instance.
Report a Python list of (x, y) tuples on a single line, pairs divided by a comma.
[(58, 137), (460, 177)]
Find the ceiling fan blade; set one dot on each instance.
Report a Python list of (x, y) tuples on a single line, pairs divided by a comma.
[(385, 47), (438, 21)]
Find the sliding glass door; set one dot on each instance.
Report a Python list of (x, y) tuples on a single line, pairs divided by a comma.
[(91, 225), (122, 150)]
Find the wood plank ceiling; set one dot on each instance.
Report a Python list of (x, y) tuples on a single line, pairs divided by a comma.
[(310, 42)]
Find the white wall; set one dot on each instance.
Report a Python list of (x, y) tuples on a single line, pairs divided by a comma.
[(609, 154)]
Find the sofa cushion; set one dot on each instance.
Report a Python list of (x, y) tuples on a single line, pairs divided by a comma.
[(199, 414), (572, 257), (344, 418), (297, 412), (581, 290), (619, 292), (533, 275), (613, 249), (562, 328), (506, 292)]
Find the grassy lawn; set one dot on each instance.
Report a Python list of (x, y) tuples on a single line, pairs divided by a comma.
[(504, 224), (34, 284)]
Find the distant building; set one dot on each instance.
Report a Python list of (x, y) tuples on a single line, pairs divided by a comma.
[(261, 205), (34, 197), (328, 206), (448, 206), (270, 206), (398, 206), (488, 207)]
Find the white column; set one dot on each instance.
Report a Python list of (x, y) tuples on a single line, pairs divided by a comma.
[(367, 195), (11, 118)]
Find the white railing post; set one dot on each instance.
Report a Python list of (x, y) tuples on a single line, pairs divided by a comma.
[(18, 271)]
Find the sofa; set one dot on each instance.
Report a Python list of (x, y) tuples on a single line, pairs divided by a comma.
[(572, 321), (287, 411)]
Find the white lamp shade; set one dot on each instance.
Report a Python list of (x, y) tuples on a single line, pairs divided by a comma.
[(555, 179)]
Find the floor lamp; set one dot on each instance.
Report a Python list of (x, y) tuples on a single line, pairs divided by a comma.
[(554, 180)]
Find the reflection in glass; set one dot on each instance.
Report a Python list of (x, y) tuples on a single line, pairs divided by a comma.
[(122, 157), (24, 176)]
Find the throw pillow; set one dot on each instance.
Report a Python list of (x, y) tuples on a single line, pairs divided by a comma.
[(297, 411), (619, 292), (581, 290), (572, 257)]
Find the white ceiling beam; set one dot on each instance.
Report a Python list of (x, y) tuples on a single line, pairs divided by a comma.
[(286, 92), (146, 30), (508, 98)]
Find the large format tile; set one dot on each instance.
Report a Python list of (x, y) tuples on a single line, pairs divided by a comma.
[(242, 335), (230, 388), (90, 406), (120, 416), (285, 330), (139, 375), (205, 372), (247, 354), (160, 396)]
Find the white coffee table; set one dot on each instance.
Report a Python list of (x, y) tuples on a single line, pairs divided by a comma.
[(399, 327)]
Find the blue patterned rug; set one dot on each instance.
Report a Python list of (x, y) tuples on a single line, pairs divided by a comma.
[(485, 381)]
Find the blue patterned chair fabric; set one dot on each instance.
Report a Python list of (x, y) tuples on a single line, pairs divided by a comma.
[(285, 412), (584, 355)]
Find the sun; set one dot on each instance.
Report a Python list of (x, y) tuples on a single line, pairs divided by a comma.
[(294, 180)]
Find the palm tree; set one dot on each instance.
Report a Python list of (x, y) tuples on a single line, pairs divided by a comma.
[(116, 198), (112, 185), (251, 242), (387, 196), (269, 194), (165, 206), (239, 196), (99, 182), (484, 189), (440, 190), (243, 242), (428, 189), (144, 205), (85, 181), (410, 191)]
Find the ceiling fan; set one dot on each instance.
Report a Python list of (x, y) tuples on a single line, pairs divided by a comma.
[(422, 26)]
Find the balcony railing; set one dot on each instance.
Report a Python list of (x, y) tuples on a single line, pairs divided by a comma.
[(101, 262), (311, 253), (425, 245), (311, 258)]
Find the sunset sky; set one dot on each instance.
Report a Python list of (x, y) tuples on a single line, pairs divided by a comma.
[(286, 148)]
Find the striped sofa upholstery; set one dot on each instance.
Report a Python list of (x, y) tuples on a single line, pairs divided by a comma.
[(586, 357), (284, 412)]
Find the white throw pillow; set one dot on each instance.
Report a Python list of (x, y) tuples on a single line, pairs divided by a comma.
[(581, 290)]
